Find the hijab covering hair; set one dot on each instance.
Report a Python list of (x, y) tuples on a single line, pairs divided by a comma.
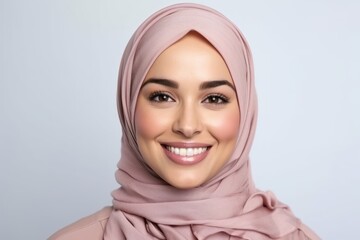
[(228, 206)]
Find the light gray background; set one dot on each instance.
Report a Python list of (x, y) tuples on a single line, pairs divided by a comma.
[(59, 130)]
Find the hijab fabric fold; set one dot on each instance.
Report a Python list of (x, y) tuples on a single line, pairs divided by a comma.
[(228, 206)]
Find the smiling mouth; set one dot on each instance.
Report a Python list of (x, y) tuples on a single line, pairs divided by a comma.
[(186, 152), (186, 155)]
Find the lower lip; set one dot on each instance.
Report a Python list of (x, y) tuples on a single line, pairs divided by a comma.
[(181, 160)]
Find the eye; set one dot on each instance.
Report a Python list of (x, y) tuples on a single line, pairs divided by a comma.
[(216, 99), (159, 96)]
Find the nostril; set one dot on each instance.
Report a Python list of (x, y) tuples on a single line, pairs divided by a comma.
[(187, 122)]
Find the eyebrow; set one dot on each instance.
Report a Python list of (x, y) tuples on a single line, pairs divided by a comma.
[(215, 83), (203, 86), (161, 81)]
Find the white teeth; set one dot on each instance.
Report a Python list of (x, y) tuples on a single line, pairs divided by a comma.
[(196, 151), (186, 152), (182, 151), (189, 152)]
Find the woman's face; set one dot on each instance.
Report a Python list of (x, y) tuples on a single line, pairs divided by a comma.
[(187, 116)]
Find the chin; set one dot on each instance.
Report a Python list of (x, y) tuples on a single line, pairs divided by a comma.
[(185, 182), (184, 186)]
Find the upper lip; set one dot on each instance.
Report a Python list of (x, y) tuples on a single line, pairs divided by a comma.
[(185, 144)]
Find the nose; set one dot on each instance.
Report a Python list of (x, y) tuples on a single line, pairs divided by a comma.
[(188, 121)]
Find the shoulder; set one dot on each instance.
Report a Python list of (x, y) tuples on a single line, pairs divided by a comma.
[(91, 227), (309, 234), (303, 233)]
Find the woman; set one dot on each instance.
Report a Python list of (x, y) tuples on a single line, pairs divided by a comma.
[(188, 108)]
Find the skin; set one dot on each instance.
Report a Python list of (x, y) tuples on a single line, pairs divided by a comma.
[(188, 98)]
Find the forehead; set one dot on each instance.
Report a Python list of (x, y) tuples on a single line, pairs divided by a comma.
[(191, 56), (191, 42)]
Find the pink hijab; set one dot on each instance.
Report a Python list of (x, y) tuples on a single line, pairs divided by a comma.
[(226, 207)]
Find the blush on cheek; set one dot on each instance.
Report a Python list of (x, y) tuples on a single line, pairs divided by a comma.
[(149, 123), (225, 126), (144, 124)]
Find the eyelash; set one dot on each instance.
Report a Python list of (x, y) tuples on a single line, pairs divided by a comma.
[(219, 99), (160, 96)]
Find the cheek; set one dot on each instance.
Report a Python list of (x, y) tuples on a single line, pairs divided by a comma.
[(149, 123), (225, 126), (145, 124)]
